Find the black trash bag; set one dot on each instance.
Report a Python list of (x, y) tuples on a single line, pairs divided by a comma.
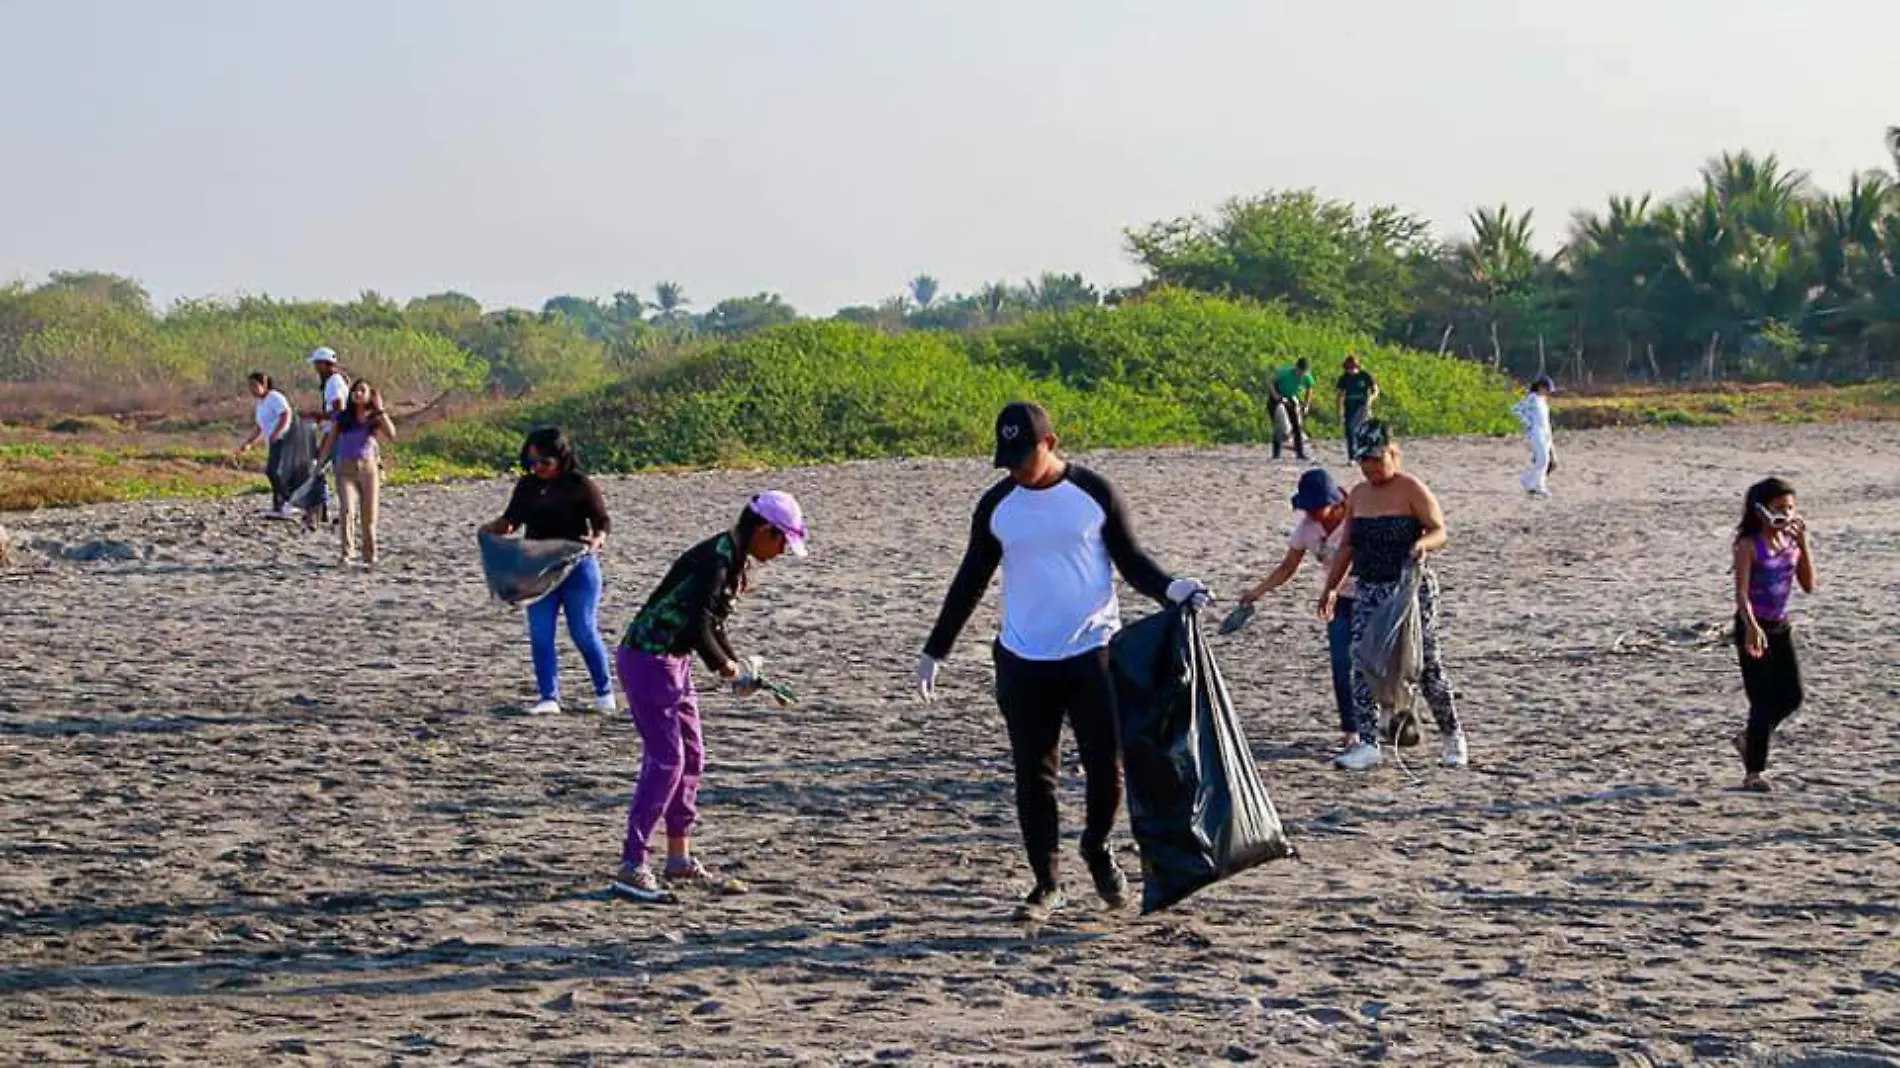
[(296, 459), (313, 492), (1198, 807), (522, 572)]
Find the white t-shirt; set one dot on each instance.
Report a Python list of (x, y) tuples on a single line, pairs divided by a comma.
[(1309, 535), (336, 393), (1534, 412), (271, 409)]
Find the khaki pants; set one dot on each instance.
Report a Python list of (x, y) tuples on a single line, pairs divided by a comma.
[(358, 485)]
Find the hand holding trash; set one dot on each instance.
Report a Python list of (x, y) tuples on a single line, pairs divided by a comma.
[(1190, 592)]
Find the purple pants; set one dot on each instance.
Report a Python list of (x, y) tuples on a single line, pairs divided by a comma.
[(665, 708)]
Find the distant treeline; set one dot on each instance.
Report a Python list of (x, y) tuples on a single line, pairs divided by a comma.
[(1754, 273)]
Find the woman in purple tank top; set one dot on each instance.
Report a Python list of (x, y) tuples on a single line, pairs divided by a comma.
[(353, 442), (1771, 556)]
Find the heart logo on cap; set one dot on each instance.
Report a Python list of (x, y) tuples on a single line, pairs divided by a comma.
[(1010, 431)]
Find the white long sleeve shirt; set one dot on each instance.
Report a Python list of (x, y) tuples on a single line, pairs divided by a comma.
[(1534, 412)]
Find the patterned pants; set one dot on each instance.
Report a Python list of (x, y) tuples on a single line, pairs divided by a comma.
[(1437, 691)]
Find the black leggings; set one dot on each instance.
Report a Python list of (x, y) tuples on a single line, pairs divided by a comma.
[(1773, 685), (1034, 696), (273, 470)]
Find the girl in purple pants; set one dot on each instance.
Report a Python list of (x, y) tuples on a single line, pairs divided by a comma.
[(686, 615)]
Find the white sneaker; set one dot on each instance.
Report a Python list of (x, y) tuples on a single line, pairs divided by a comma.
[(604, 704), (1455, 753), (1361, 757), (549, 707)]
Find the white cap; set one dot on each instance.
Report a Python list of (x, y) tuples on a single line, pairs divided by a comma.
[(323, 354)]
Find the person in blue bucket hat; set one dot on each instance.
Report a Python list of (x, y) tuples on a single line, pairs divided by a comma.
[(1318, 529)]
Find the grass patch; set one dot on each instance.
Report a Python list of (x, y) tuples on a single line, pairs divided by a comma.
[(1729, 405)]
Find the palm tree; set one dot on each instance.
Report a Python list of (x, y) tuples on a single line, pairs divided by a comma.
[(670, 297), (923, 291), (993, 299), (1893, 146)]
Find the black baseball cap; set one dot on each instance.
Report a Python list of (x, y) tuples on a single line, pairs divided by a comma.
[(1018, 428)]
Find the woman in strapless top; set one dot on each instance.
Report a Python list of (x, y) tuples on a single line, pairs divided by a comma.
[(1392, 521)]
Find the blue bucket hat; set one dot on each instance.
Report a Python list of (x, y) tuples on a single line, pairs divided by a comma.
[(1317, 490)]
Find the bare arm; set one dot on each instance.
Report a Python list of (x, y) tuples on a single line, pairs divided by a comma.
[(1432, 518), (1804, 569), (1289, 564), (1744, 568), (385, 426)]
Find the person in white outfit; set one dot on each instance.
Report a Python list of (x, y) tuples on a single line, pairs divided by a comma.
[(1534, 412)]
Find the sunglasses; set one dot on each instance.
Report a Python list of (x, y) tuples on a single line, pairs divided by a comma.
[(1777, 520)]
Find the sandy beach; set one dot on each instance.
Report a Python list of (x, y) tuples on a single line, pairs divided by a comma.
[(260, 809)]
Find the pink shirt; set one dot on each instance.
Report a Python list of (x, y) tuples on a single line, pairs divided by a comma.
[(1310, 536)]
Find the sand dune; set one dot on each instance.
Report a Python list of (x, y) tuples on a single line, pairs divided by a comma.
[(259, 809)]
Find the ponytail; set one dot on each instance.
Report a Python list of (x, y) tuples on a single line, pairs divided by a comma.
[(262, 379)]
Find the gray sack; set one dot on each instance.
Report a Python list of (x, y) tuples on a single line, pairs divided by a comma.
[(522, 572), (1391, 651)]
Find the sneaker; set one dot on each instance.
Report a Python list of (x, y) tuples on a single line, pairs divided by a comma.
[(1455, 753), (1040, 903), (604, 704), (1361, 757), (1110, 883), (548, 707), (637, 884), (1755, 784), (690, 872)]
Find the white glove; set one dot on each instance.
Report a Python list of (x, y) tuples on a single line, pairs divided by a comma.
[(1189, 592), (746, 683), (926, 679)]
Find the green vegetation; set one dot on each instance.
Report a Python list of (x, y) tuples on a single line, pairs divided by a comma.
[(1177, 368), (1730, 405)]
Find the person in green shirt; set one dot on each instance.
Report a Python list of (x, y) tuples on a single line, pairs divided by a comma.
[(1357, 390), (1292, 390)]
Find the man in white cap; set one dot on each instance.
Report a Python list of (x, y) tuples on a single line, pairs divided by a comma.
[(1059, 533), (336, 395)]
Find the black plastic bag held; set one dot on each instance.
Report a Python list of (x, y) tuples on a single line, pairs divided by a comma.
[(1198, 807)]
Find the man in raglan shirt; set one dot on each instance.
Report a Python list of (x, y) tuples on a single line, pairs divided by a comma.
[(1059, 533)]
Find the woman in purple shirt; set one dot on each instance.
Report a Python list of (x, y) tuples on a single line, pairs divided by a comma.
[(353, 441), (1771, 556)]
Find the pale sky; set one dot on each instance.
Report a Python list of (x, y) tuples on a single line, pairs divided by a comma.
[(829, 150)]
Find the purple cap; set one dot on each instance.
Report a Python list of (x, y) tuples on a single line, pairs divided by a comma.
[(782, 511)]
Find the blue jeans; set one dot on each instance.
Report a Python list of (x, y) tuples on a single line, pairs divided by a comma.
[(579, 596), (1339, 644)]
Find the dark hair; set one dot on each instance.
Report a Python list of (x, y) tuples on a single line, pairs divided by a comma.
[(550, 441), (1301, 363), (347, 419), (1755, 500), (262, 379)]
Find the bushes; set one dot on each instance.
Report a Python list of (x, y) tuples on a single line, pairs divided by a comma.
[(1174, 369)]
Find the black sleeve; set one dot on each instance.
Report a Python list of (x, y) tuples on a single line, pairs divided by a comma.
[(594, 506), (707, 629), (1135, 564), (973, 575), (517, 513)]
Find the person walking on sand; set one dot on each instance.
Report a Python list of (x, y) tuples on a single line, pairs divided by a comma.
[(1292, 390), (1771, 554), (1534, 412), (335, 388), (1356, 390), (554, 500), (1321, 530), (1392, 519), (1059, 532), (687, 614), (352, 441), (273, 422)]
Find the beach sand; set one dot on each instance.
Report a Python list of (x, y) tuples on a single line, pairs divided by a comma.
[(258, 809)]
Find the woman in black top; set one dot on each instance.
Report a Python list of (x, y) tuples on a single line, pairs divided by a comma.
[(1392, 522), (555, 501)]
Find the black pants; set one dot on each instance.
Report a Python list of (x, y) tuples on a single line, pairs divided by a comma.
[(1352, 419), (273, 470), (1034, 696), (1773, 685), (1296, 427)]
